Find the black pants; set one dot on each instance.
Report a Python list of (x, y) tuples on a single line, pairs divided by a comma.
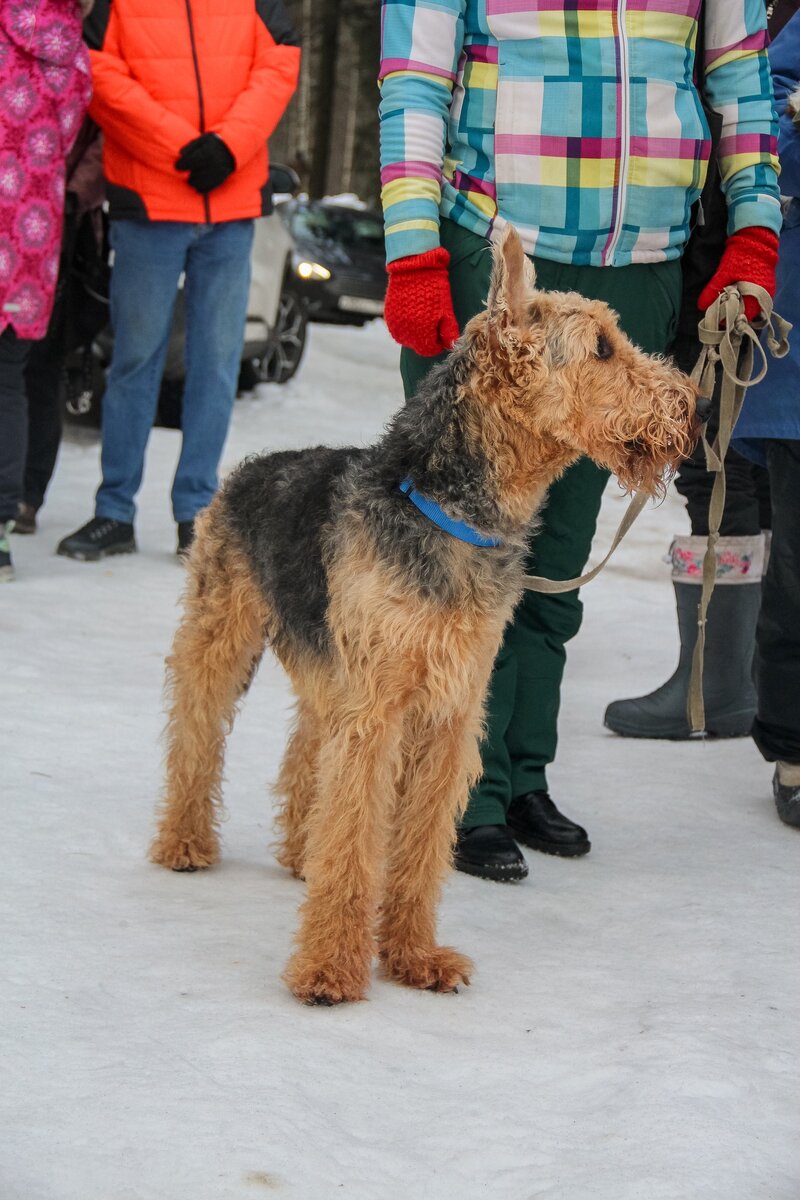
[(747, 504), (43, 379), (44, 375), (776, 729), (13, 421)]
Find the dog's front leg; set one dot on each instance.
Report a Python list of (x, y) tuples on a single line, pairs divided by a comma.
[(216, 648), (440, 762), (335, 945)]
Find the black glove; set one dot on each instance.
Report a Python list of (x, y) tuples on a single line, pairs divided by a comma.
[(208, 161)]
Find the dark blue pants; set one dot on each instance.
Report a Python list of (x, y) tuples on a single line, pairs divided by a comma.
[(777, 726), (747, 506)]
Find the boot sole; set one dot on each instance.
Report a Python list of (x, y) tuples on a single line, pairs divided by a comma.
[(96, 555), (788, 813), (554, 848), (726, 727), (513, 874)]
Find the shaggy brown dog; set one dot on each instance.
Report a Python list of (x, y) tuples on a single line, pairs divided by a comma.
[(388, 624)]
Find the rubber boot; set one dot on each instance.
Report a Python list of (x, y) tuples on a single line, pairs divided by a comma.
[(728, 691)]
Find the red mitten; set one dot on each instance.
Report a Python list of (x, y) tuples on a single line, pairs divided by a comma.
[(419, 310), (750, 256)]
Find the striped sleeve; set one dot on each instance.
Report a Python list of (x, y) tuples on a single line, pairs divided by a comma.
[(420, 47), (738, 86)]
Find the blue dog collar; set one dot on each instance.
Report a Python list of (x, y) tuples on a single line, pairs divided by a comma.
[(456, 529)]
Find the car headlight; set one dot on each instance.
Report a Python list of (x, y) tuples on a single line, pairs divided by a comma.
[(312, 270)]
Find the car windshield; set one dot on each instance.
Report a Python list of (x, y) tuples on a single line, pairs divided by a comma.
[(345, 227)]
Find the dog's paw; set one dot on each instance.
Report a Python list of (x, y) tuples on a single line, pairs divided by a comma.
[(442, 969), (183, 854), (294, 863), (325, 985)]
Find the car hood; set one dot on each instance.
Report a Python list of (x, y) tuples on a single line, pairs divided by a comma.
[(333, 255)]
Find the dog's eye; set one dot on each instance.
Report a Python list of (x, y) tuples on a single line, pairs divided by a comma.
[(604, 347)]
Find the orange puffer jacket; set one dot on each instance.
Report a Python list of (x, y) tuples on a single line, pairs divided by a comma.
[(167, 71)]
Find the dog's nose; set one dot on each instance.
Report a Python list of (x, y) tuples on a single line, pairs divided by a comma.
[(703, 409)]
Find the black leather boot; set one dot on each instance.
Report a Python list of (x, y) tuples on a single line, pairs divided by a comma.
[(185, 538), (728, 691), (536, 822), (787, 794), (490, 852)]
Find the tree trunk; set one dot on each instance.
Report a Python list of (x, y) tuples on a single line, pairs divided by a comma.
[(326, 63)]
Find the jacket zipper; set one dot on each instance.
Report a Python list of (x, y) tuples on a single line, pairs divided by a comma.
[(625, 131), (201, 101)]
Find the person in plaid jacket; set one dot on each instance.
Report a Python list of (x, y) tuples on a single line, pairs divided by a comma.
[(580, 122)]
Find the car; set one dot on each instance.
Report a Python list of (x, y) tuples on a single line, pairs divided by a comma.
[(274, 337), (339, 259)]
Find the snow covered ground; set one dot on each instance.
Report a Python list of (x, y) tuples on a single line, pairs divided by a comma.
[(631, 1031)]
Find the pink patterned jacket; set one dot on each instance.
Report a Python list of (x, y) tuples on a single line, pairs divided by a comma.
[(45, 87)]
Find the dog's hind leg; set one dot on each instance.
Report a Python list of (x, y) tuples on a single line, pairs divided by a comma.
[(216, 649), (297, 785), (441, 759)]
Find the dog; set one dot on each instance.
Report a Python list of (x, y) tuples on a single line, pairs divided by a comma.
[(387, 617)]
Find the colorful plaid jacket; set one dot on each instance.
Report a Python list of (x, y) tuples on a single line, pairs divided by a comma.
[(576, 120)]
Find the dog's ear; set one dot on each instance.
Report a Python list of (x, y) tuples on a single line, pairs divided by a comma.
[(513, 278), (530, 274)]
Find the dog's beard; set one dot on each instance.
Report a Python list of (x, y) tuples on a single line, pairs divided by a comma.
[(644, 454)]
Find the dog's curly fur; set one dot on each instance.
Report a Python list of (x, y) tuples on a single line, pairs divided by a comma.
[(388, 626)]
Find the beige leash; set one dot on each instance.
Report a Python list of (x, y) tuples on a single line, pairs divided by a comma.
[(538, 583), (723, 331), (730, 340)]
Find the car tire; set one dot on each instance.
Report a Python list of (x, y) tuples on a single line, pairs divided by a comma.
[(287, 342)]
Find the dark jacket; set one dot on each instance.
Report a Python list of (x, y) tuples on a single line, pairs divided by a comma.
[(772, 409)]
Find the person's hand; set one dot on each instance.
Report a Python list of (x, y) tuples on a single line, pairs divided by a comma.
[(208, 161), (419, 309), (86, 7), (750, 256)]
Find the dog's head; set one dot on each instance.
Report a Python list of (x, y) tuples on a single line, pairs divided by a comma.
[(559, 366)]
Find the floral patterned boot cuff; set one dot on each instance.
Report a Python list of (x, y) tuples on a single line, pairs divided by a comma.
[(739, 559)]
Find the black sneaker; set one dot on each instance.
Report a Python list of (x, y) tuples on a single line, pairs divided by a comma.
[(490, 852), (6, 565), (185, 538), (535, 821), (98, 538)]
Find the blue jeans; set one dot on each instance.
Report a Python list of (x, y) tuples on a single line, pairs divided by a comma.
[(149, 259)]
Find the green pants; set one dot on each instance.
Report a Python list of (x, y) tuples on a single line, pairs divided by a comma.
[(523, 703)]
